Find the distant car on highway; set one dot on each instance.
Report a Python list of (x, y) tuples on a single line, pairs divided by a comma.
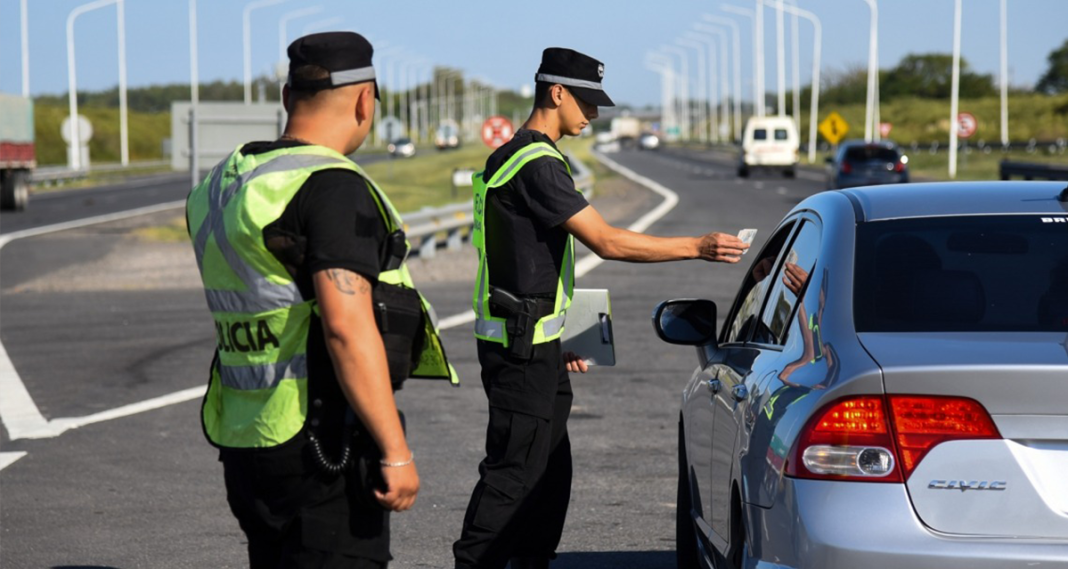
[(401, 148), (648, 141), (771, 143), (888, 389), (447, 136), (860, 163)]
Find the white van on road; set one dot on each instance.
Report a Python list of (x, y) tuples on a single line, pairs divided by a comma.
[(769, 142)]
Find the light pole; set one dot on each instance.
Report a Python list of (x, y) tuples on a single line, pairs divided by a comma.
[(871, 130), (954, 92), (723, 125), (703, 88), (25, 37), (194, 96), (283, 27), (758, 22), (814, 111), (737, 51), (660, 63), (246, 35), (1004, 74), (780, 60), (72, 81), (795, 69), (758, 56), (684, 87)]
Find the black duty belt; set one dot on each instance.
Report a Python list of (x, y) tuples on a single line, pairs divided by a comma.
[(521, 314)]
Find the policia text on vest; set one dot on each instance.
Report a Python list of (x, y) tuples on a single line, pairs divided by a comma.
[(257, 396)]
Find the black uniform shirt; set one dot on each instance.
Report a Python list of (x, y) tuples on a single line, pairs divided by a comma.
[(524, 241), (332, 222)]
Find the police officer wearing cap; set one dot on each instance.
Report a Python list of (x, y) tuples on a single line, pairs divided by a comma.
[(527, 214), (318, 323)]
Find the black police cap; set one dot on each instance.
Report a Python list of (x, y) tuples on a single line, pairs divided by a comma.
[(346, 55), (580, 73)]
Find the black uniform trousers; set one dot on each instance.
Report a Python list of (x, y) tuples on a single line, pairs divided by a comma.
[(297, 516), (519, 504)]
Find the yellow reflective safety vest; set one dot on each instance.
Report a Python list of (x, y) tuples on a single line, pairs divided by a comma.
[(487, 326), (258, 392)]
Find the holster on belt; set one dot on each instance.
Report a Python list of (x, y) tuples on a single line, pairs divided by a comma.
[(521, 315)]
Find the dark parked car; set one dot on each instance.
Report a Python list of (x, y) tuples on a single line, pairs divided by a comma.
[(888, 389), (859, 163)]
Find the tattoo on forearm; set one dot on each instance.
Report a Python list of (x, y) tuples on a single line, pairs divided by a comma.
[(348, 282)]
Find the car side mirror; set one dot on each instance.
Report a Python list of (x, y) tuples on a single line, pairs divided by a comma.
[(690, 322)]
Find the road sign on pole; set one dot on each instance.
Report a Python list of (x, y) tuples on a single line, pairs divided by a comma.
[(967, 124), (834, 128), (496, 131)]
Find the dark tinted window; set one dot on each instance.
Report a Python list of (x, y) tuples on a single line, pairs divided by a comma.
[(875, 153), (780, 134), (746, 310), (760, 134), (789, 281), (963, 274)]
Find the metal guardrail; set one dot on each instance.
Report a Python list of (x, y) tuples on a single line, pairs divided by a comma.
[(450, 225), (1031, 171), (58, 174)]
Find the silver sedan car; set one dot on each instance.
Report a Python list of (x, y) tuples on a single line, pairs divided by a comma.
[(889, 387)]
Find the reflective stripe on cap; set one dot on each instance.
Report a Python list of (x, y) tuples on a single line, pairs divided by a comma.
[(568, 81)]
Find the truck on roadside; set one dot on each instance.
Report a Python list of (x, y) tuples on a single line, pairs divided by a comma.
[(626, 130), (17, 154)]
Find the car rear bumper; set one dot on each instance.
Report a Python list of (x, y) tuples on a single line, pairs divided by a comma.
[(830, 525)]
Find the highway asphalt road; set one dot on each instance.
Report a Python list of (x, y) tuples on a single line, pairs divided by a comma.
[(65, 205), (145, 490)]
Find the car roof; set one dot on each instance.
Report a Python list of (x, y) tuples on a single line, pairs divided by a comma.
[(942, 199), (859, 142)]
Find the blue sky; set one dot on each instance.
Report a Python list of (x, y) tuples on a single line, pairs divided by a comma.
[(502, 41)]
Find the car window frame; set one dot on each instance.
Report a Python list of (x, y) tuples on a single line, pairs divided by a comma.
[(803, 218), (736, 303)]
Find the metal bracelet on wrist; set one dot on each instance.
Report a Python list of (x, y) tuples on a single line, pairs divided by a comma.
[(410, 460)]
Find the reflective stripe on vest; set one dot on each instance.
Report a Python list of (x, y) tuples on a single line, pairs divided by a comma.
[(490, 327), (257, 396)]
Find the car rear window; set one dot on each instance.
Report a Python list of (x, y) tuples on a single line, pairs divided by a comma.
[(760, 134), (866, 153), (962, 274), (780, 134)]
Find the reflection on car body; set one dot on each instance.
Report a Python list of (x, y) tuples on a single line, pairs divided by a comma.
[(884, 344)]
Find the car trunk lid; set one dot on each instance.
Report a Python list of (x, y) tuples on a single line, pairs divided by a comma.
[(1008, 487)]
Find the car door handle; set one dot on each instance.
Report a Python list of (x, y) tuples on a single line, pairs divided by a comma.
[(714, 386), (740, 392)]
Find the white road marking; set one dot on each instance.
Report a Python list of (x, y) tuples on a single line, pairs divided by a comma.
[(8, 458), (590, 261), (781, 190), (18, 412), (23, 420)]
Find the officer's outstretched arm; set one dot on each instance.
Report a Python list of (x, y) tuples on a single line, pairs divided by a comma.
[(610, 242), (359, 359)]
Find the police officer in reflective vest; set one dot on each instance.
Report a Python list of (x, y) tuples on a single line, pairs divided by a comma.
[(527, 214), (318, 323)]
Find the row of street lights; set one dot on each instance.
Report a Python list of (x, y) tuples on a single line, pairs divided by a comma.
[(434, 87), (680, 112)]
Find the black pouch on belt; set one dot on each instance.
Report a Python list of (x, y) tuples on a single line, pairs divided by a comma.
[(400, 319)]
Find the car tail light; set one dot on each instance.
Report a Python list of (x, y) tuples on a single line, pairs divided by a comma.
[(899, 167), (922, 421), (846, 167), (848, 439), (864, 439)]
